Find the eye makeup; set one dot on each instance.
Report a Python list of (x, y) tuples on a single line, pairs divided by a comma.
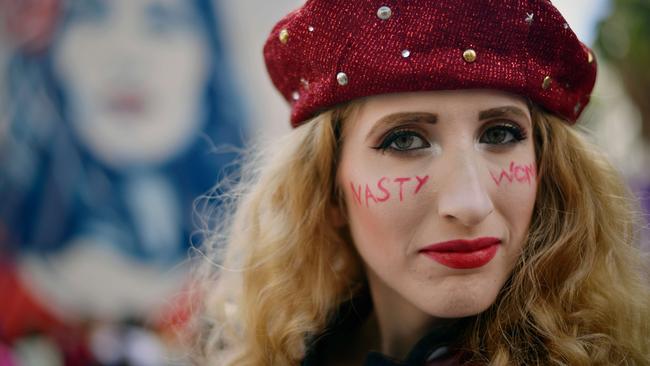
[(407, 133), (402, 140), (401, 119), (502, 133)]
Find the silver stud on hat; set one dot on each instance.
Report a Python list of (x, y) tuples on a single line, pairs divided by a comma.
[(406, 53), (310, 28), (295, 95), (529, 18), (342, 78), (577, 108), (384, 13)]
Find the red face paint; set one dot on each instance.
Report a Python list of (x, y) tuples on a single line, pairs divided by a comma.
[(421, 182), (384, 186), (356, 193), (369, 195), (515, 173), (401, 182), (383, 189)]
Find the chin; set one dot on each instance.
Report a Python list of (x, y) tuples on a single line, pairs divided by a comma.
[(463, 302)]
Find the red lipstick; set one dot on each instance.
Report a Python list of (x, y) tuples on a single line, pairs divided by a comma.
[(463, 254)]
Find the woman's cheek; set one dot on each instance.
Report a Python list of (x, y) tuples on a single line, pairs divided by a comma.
[(515, 190), (384, 210), (386, 190), (515, 174)]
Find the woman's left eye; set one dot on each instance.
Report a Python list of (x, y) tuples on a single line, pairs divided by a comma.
[(502, 134)]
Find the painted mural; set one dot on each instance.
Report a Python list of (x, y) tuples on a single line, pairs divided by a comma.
[(116, 116)]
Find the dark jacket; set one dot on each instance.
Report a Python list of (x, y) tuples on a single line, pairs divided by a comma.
[(434, 349)]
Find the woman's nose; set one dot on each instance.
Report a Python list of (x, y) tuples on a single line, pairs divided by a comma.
[(463, 196)]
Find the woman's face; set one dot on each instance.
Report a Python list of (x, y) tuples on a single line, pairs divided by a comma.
[(134, 73), (439, 189)]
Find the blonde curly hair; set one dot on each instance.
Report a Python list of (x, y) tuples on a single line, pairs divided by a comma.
[(276, 269)]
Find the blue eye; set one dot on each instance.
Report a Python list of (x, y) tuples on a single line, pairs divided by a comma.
[(502, 134), (403, 140)]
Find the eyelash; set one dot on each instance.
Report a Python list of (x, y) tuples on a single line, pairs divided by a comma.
[(393, 135), (518, 135)]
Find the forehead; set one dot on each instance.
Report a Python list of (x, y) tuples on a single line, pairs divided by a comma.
[(447, 105)]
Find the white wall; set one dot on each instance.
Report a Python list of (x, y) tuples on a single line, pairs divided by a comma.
[(248, 23)]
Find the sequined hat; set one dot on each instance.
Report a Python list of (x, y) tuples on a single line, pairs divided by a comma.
[(332, 51)]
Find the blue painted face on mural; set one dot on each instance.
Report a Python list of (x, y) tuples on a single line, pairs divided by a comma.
[(142, 96), (134, 73)]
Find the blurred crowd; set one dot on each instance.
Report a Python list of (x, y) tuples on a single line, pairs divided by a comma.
[(117, 115), (621, 120)]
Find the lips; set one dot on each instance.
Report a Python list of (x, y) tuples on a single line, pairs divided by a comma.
[(463, 254), (127, 103)]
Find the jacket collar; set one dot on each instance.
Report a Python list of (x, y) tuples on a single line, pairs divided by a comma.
[(434, 349)]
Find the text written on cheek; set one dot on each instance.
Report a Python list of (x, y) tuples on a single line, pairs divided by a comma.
[(381, 191), (515, 173)]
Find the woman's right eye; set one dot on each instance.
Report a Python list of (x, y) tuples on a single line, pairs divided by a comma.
[(402, 141)]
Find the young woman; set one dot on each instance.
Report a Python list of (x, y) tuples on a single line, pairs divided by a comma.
[(433, 205)]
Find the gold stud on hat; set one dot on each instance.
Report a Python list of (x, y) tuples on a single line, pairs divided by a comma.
[(547, 83), (469, 55), (590, 57), (284, 36)]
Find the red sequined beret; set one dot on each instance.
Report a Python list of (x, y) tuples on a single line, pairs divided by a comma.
[(332, 51)]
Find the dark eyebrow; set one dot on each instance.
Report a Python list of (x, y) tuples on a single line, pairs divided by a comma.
[(502, 112), (401, 118)]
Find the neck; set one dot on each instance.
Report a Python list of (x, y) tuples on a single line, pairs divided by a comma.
[(400, 324)]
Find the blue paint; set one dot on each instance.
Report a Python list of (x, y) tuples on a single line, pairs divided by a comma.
[(52, 189)]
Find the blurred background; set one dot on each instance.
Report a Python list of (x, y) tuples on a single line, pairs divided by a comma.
[(116, 115)]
